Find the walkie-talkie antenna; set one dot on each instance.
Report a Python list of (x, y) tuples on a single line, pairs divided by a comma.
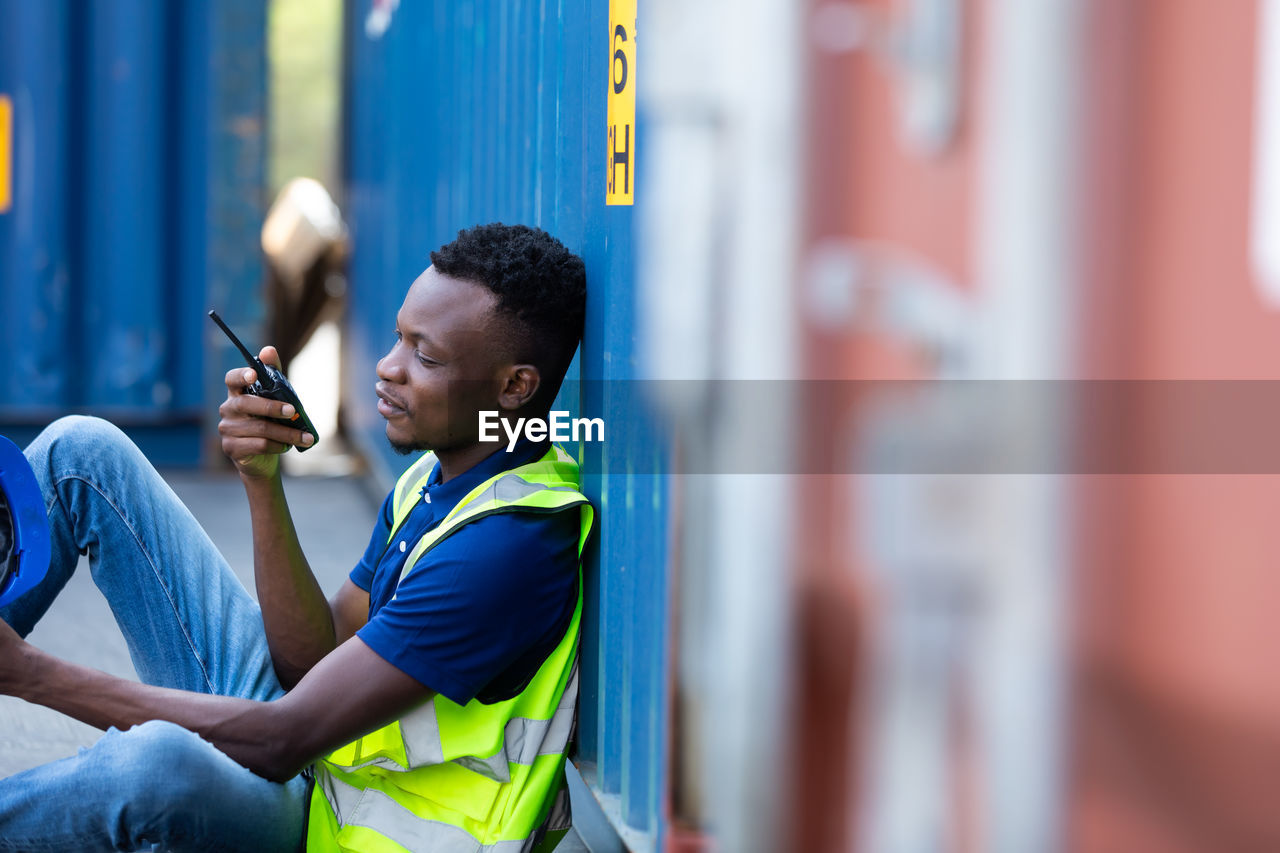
[(272, 384), (213, 315)]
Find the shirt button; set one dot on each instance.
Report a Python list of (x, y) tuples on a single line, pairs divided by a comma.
[(426, 496), (402, 546)]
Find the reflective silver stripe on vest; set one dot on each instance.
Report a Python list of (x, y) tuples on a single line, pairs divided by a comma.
[(372, 809), (421, 733), (523, 739), (503, 496), (513, 487), (560, 818), (338, 801), (411, 478)]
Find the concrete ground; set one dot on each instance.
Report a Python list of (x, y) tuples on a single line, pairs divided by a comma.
[(334, 516)]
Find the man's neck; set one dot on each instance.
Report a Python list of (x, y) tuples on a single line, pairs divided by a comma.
[(461, 460)]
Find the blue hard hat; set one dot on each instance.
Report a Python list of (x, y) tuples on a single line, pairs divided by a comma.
[(24, 528)]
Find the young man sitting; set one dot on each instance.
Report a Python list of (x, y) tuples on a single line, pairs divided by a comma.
[(428, 705)]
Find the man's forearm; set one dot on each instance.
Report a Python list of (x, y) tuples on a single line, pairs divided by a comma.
[(349, 693), (254, 734), (295, 613)]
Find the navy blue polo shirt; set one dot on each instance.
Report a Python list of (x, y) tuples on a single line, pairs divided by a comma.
[(481, 610)]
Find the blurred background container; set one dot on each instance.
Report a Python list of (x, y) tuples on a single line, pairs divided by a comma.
[(135, 163), (811, 655)]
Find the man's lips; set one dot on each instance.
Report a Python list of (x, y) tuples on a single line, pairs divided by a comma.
[(388, 406)]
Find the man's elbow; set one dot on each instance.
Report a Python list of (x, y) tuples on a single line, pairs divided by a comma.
[(290, 671), (288, 676), (282, 771), (279, 763), (278, 748)]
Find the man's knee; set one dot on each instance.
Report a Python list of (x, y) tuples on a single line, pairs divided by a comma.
[(158, 775), (78, 442), (178, 787), (83, 435), (158, 763)]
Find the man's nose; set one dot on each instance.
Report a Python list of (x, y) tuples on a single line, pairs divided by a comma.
[(389, 368)]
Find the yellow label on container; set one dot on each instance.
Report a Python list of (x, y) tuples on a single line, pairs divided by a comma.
[(6, 153), (620, 180)]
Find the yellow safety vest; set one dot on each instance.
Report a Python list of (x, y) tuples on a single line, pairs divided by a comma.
[(448, 777)]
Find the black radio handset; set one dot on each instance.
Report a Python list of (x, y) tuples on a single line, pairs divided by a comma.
[(272, 385)]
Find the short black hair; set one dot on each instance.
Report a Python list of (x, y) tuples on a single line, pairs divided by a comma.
[(538, 283)]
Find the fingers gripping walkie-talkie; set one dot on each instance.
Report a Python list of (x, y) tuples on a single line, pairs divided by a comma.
[(272, 385)]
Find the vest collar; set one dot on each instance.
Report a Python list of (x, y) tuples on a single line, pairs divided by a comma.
[(444, 496)]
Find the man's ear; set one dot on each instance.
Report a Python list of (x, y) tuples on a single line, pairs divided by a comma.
[(519, 387)]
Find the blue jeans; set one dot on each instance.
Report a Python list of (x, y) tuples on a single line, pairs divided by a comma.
[(189, 624)]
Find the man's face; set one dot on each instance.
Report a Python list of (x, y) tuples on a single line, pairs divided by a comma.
[(443, 368)]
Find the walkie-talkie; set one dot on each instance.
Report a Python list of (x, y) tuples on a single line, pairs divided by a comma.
[(272, 385)]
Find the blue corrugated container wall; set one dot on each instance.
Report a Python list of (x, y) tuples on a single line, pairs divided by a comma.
[(137, 166), (467, 112)]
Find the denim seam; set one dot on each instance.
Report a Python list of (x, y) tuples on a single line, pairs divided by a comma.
[(142, 547), (56, 844)]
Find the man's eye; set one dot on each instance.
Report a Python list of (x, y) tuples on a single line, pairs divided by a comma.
[(423, 360)]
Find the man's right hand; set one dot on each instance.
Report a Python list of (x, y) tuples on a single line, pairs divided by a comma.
[(251, 441)]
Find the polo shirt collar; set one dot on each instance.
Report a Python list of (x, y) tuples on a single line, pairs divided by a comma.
[(444, 496)]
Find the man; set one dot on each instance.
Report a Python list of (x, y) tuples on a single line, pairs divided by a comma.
[(428, 705)]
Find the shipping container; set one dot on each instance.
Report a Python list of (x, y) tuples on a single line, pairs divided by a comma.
[(465, 113), (132, 156), (1174, 720), (1043, 625), (1072, 204)]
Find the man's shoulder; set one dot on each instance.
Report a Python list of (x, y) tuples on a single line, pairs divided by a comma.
[(515, 532), (505, 549)]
